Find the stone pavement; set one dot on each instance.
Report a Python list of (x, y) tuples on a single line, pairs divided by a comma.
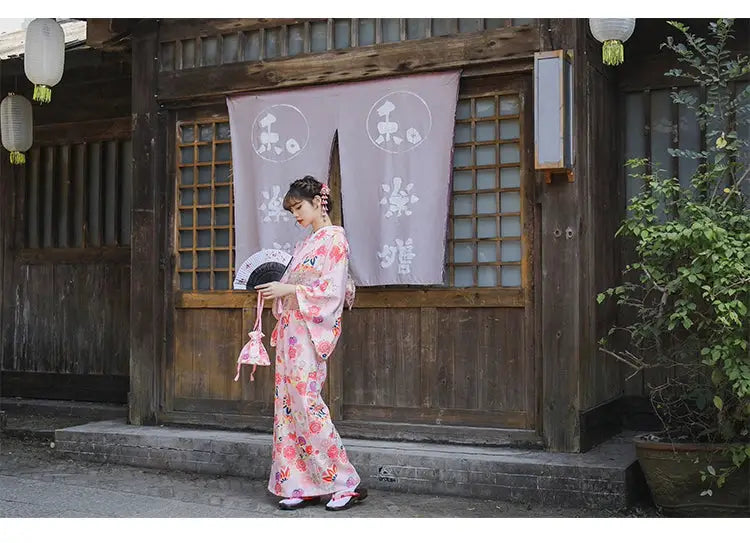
[(36, 482)]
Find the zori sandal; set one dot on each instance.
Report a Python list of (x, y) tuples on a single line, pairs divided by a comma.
[(290, 504), (344, 500)]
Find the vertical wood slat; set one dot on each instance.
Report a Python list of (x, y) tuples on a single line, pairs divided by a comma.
[(94, 195), (64, 201), (79, 198), (34, 200), (49, 197), (126, 190), (111, 210), (428, 322)]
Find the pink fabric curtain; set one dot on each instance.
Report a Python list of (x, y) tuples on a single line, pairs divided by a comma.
[(395, 145), (277, 137)]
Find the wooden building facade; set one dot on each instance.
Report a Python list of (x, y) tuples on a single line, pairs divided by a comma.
[(117, 256)]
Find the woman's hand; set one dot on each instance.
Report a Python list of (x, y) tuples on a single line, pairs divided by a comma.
[(275, 290)]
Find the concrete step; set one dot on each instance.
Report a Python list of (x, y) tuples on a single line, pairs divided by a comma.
[(608, 476), (40, 418)]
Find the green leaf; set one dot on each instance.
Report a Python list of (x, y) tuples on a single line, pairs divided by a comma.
[(600, 298), (711, 470), (719, 403)]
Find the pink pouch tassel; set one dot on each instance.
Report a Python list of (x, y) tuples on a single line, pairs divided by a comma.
[(253, 352)]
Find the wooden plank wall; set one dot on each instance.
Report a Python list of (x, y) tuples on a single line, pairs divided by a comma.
[(602, 192), (448, 366), (65, 304)]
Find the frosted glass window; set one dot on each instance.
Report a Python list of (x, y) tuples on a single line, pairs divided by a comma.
[(485, 107), (463, 205), (295, 40), (510, 202), (486, 131), (462, 229), (319, 37), (463, 253), (510, 227), (510, 178), (486, 203), (464, 277), (486, 155), (511, 276), (487, 228), (462, 181), (342, 33), (487, 276), (509, 105), (510, 130), (511, 251), (391, 30), (510, 153), (486, 179), (487, 251), (462, 133)]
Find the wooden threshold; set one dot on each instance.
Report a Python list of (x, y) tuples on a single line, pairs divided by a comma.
[(354, 429), (368, 298)]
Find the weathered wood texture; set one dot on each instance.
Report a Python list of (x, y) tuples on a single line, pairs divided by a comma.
[(69, 319), (147, 286), (363, 63), (602, 194), (94, 86), (561, 263), (65, 312), (429, 366)]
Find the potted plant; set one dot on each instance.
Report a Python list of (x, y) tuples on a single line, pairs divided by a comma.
[(686, 294)]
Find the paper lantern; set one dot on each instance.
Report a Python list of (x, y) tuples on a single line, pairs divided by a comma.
[(16, 125), (612, 33), (44, 56)]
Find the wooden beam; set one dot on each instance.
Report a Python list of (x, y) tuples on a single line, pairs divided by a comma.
[(83, 132), (370, 62), (149, 179), (371, 298)]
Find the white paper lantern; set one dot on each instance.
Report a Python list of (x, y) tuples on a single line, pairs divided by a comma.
[(44, 56), (16, 126), (612, 33)]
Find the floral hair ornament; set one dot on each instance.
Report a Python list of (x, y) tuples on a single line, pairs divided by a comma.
[(324, 192)]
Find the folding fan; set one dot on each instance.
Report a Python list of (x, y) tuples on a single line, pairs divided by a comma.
[(262, 267)]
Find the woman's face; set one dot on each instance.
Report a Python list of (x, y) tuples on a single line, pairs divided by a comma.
[(305, 212)]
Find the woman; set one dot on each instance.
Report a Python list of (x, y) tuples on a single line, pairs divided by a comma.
[(309, 460)]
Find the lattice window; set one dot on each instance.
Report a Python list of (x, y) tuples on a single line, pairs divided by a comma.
[(485, 238), (79, 195), (313, 36), (205, 206)]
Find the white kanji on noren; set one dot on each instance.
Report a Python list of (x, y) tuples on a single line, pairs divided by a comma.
[(273, 207), (398, 199), (280, 133), (403, 250), (384, 129)]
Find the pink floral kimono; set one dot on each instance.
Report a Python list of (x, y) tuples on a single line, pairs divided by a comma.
[(308, 457)]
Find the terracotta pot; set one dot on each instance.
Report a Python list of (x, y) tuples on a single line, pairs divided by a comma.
[(673, 477)]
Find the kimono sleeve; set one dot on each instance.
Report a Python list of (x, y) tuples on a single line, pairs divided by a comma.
[(321, 302)]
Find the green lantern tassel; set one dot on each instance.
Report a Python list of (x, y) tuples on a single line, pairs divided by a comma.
[(613, 53), (17, 157), (42, 94)]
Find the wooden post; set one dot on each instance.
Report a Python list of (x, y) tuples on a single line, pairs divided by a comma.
[(147, 336), (561, 275)]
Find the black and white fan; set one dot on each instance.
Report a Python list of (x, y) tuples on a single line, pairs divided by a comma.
[(262, 267)]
